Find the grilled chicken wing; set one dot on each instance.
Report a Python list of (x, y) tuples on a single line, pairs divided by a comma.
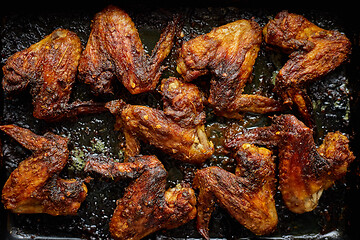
[(145, 207), (34, 187), (183, 102), (49, 67), (314, 53), (304, 170), (228, 53), (248, 195), (114, 50), (178, 130)]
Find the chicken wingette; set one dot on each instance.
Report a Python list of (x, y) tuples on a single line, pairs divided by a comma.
[(35, 186), (248, 195), (114, 51), (49, 68), (314, 52), (146, 206), (178, 130), (228, 53), (304, 170)]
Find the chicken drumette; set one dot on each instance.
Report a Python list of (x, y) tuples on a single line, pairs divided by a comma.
[(248, 195), (114, 50), (178, 130), (145, 207), (49, 67), (313, 53), (35, 187), (304, 170), (228, 53)]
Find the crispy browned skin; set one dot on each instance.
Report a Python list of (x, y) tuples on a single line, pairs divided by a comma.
[(34, 187), (183, 102), (314, 53), (178, 130), (114, 50), (304, 170), (248, 195), (228, 53), (145, 207), (49, 67)]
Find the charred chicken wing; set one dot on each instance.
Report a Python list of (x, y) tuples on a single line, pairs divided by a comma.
[(145, 207), (228, 53), (304, 170), (35, 187), (248, 195), (114, 50), (178, 130), (49, 67), (313, 53)]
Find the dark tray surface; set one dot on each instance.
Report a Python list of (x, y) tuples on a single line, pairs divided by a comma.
[(89, 135)]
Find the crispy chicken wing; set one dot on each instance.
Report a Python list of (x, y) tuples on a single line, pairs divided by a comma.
[(34, 187), (314, 53), (49, 67), (114, 50), (228, 53), (183, 102), (178, 130), (248, 195), (304, 170), (145, 207)]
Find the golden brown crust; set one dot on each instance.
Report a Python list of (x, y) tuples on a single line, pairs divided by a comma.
[(183, 102), (146, 207), (34, 186), (49, 67), (248, 195), (178, 130), (114, 50), (228, 52), (304, 170), (314, 53)]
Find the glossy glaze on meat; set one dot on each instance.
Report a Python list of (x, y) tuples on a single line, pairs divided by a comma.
[(49, 68), (183, 111), (248, 195), (313, 53), (146, 206), (304, 170), (228, 53), (114, 50), (178, 130), (34, 186), (183, 102)]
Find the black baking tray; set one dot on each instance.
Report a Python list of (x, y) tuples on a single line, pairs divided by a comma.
[(336, 107)]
